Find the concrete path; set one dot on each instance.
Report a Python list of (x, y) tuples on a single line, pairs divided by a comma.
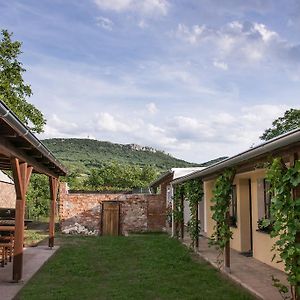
[(246, 271), (33, 259)]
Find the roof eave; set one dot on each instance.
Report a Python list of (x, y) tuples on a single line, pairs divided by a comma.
[(269, 146)]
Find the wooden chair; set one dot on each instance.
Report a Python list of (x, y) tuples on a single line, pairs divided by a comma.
[(6, 248), (3, 255)]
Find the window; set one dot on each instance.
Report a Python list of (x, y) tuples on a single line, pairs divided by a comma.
[(233, 206), (267, 199)]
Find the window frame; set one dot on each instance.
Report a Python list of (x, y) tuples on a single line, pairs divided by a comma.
[(267, 200), (233, 205)]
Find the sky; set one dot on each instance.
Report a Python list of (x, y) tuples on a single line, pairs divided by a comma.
[(198, 79)]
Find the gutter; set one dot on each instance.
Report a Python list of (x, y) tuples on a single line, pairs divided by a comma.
[(13, 121), (281, 141)]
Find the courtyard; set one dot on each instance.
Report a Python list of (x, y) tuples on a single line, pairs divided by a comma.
[(142, 266)]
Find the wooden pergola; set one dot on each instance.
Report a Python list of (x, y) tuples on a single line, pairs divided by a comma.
[(22, 153)]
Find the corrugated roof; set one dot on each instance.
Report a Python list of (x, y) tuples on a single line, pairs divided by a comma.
[(177, 173)]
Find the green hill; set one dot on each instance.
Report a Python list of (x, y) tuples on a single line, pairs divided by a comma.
[(81, 155)]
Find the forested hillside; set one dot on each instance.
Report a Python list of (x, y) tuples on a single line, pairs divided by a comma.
[(82, 155), (98, 165)]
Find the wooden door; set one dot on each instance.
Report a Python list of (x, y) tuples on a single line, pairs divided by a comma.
[(111, 218)]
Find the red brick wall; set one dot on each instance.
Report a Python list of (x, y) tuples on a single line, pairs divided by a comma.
[(138, 212), (134, 208)]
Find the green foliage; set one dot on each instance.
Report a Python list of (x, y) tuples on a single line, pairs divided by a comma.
[(38, 197), (290, 121), (221, 202), (82, 155), (114, 175), (13, 90), (194, 194), (285, 212), (178, 210)]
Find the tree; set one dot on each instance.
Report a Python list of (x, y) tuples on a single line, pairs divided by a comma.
[(290, 121), (13, 90), (38, 197), (114, 175)]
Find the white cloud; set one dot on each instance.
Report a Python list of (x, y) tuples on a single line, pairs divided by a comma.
[(145, 7), (59, 127), (142, 24), (117, 5), (266, 34), (241, 128), (151, 108), (191, 35), (105, 23), (240, 41), (186, 78), (220, 65), (213, 134), (108, 122)]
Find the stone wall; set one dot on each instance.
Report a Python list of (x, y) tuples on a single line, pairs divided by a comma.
[(138, 212), (7, 195)]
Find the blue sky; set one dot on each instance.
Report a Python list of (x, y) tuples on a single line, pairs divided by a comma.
[(198, 79)]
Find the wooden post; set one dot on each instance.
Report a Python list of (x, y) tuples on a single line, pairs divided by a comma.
[(101, 221), (227, 248), (53, 194), (21, 174)]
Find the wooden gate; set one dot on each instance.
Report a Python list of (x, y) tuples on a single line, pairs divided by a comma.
[(111, 218)]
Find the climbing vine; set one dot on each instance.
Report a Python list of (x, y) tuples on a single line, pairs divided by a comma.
[(178, 207), (285, 215), (221, 202), (194, 193)]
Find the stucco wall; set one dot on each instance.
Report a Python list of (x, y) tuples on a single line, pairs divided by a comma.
[(186, 212), (262, 242), (208, 194), (7, 195), (241, 234)]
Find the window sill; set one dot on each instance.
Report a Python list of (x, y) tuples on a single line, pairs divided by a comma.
[(263, 231)]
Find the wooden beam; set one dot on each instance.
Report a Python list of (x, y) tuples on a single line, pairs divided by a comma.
[(53, 182), (21, 175), (10, 150), (197, 224)]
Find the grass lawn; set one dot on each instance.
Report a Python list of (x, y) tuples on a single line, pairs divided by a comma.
[(150, 266), (36, 232)]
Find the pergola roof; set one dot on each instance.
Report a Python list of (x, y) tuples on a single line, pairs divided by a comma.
[(16, 140)]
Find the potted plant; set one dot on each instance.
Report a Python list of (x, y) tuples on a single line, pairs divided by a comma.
[(265, 225)]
